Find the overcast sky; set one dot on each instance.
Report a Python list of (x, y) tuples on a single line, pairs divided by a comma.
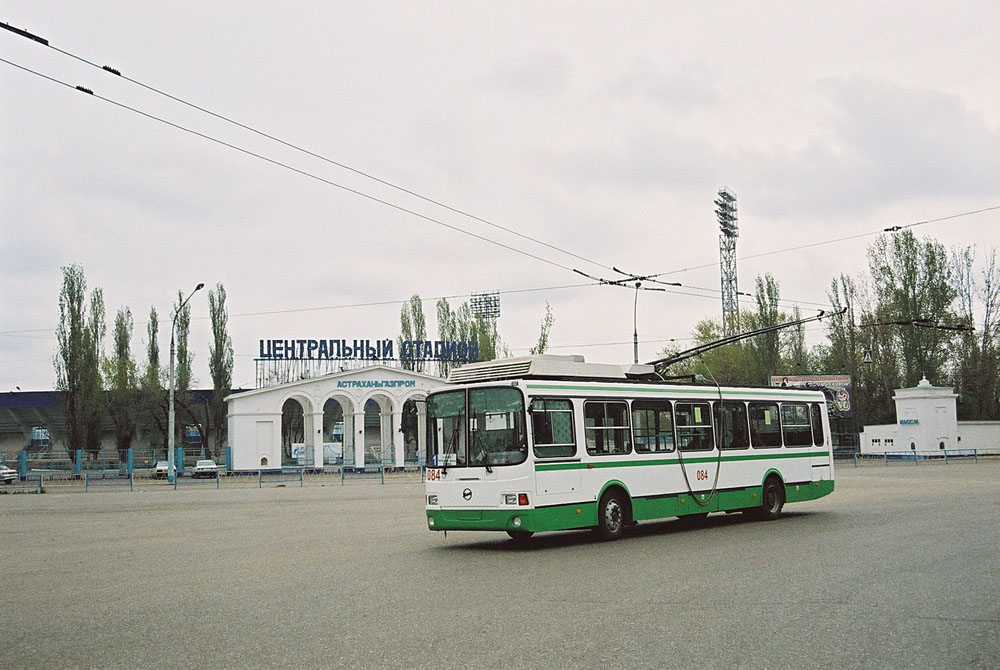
[(601, 129)]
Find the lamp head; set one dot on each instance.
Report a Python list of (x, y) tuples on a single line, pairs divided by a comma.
[(199, 286)]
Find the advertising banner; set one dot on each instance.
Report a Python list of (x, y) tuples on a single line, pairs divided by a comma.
[(839, 394)]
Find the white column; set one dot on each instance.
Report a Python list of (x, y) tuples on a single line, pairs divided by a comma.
[(422, 432), (385, 431), (399, 440), (359, 439), (317, 441)]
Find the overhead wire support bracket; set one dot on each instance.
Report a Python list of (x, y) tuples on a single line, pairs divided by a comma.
[(624, 283), (649, 278)]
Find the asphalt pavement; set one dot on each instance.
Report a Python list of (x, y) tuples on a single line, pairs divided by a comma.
[(899, 568)]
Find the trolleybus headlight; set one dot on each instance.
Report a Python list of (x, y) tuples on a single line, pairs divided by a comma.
[(432, 500), (430, 521), (516, 522), (510, 498)]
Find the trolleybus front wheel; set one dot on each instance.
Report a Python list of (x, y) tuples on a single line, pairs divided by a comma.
[(611, 516)]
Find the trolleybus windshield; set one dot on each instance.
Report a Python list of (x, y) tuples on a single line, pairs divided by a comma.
[(483, 427)]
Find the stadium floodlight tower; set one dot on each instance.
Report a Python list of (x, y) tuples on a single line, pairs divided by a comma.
[(725, 211), (485, 305)]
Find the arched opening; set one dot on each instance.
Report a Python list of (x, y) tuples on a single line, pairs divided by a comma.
[(373, 431), (292, 432), (333, 432), (410, 430)]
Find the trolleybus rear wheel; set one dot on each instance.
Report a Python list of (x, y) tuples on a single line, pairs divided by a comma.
[(772, 499), (611, 516)]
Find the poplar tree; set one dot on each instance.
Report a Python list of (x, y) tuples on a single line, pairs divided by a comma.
[(153, 395), (122, 384), (543, 336), (412, 328), (220, 362), (182, 370), (78, 376)]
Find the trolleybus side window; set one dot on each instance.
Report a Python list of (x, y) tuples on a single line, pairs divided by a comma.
[(694, 426), (731, 420), (496, 427), (795, 424), (817, 424), (765, 430), (552, 428), (606, 424), (653, 425), (446, 429)]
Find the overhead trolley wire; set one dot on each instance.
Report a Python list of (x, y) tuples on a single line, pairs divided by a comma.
[(652, 278), (298, 148), (291, 168)]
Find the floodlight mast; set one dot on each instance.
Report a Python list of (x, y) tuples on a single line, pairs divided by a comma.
[(729, 231)]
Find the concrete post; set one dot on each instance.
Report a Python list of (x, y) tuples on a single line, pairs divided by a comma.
[(399, 440), (359, 439)]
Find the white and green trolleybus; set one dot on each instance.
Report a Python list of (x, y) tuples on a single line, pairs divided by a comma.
[(547, 443)]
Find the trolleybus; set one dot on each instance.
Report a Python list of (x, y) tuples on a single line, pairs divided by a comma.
[(545, 443)]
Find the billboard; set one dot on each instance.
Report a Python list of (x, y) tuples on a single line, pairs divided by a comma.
[(838, 390)]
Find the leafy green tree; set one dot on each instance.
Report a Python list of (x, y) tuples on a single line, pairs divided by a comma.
[(460, 325), (78, 374), (412, 328), (94, 339), (220, 363), (976, 366), (183, 377), (447, 330), (543, 336), (122, 384), (70, 362), (765, 350), (912, 281), (729, 364), (153, 397)]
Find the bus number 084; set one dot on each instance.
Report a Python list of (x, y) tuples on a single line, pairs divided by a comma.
[(701, 475)]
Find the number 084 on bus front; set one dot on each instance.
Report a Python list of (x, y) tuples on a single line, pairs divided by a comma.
[(547, 443)]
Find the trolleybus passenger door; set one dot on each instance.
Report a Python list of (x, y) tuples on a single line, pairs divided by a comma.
[(822, 463), (696, 440)]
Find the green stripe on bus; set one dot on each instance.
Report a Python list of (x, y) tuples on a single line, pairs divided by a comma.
[(547, 467), (703, 392), (584, 514)]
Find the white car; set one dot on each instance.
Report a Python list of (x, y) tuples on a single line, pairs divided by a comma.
[(161, 469), (7, 475), (206, 468)]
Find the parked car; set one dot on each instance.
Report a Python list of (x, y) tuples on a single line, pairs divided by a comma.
[(7, 475), (161, 469), (206, 468)]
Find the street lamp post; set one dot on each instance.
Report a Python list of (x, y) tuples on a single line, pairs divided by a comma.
[(635, 325), (171, 468)]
